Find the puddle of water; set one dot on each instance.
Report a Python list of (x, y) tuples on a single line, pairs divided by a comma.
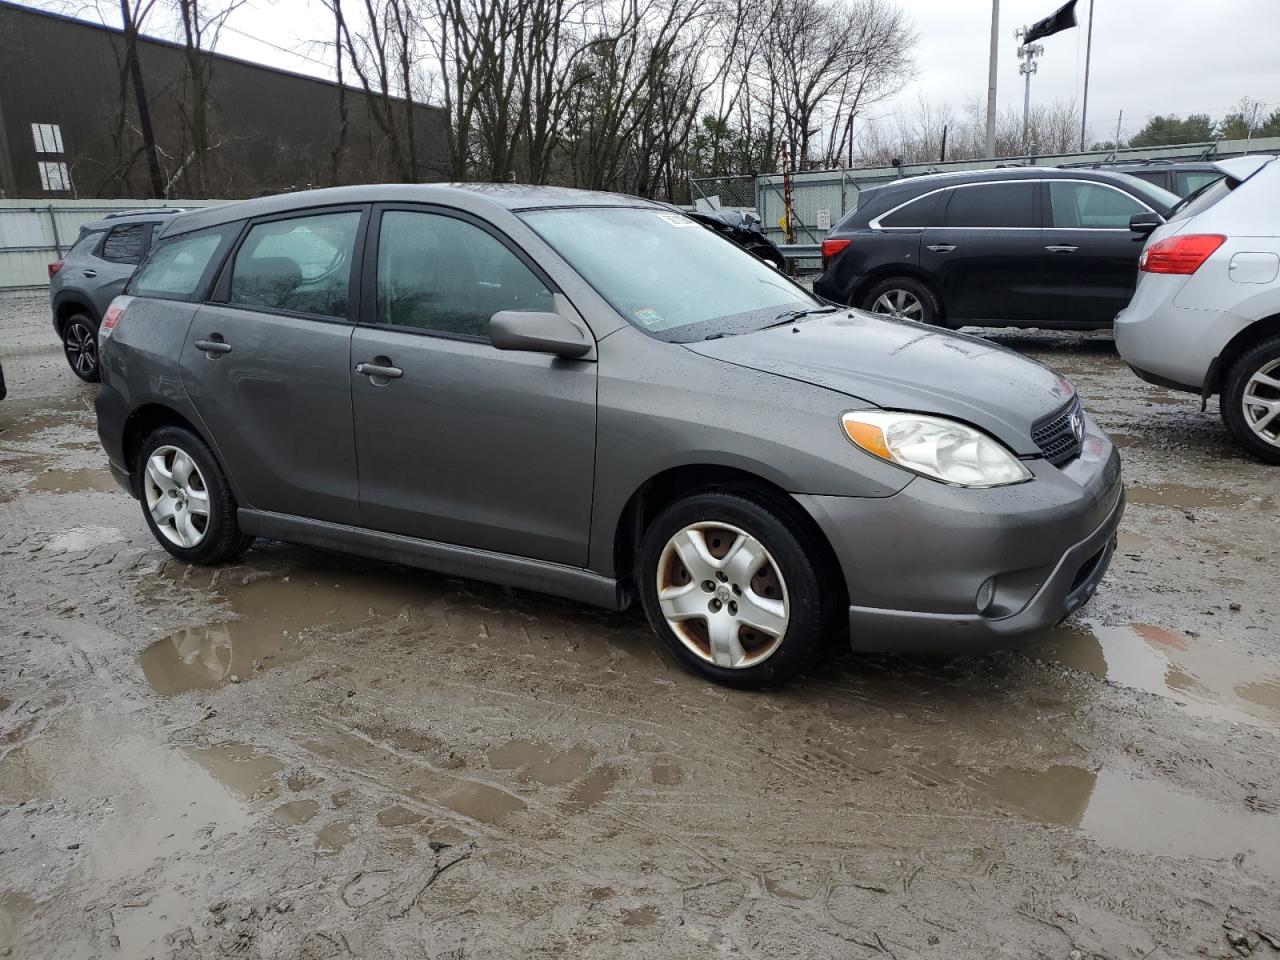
[(1132, 542), (398, 816), (1143, 816), (538, 762), (593, 789), (1209, 679), (332, 837), (296, 811), (273, 616), (85, 538), (73, 481), (238, 767), (1183, 496), (666, 775)]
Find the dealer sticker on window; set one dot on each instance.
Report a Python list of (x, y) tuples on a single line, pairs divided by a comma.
[(678, 220), (648, 316)]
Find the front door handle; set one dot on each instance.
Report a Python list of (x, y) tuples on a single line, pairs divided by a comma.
[(379, 369), (89, 273), (941, 247), (1061, 248), (213, 346)]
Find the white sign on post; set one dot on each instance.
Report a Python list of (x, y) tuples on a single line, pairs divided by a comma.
[(824, 220)]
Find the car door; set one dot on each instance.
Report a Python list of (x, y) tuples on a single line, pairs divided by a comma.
[(267, 365), (457, 441), (1090, 254), (984, 252)]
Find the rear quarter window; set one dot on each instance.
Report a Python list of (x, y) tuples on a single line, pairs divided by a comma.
[(915, 213), (125, 243), (182, 267)]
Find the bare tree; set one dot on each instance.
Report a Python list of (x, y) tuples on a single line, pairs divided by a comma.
[(201, 24)]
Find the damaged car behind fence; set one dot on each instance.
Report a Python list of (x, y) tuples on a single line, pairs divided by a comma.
[(591, 395)]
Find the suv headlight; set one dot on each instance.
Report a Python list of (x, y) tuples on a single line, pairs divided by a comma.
[(934, 447)]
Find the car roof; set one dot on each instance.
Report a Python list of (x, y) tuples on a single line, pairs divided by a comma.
[(1120, 166), (933, 181), (472, 197)]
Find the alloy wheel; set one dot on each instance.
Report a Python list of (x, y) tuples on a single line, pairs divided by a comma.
[(1261, 402), (176, 496), (82, 348), (722, 595), (899, 303)]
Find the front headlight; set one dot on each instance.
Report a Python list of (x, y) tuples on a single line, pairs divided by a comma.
[(934, 447)]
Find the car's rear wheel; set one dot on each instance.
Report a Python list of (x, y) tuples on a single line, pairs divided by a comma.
[(80, 344), (905, 298), (1251, 400), (186, 498), (735, 589)]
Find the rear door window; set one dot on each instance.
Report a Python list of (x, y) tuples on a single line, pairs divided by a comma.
[(181, 267), (992, 205), (298, 265), (1090, 206), (126, 243), (917, 213)]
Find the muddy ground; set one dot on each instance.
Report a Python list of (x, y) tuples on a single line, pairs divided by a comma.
[(303, 755)]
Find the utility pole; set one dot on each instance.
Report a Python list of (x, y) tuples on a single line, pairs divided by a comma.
[(1088, 53), (991, 80), (1027, 53)]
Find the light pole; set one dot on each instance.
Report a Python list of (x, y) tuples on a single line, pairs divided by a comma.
[(991, 80), (1027, 53)]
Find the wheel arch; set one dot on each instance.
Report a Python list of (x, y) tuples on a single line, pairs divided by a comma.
[(664, 488), (68, 303), (1235, 347), (150, 417), (890, 271)]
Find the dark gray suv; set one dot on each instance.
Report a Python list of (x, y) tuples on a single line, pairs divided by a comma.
[(591, 395), (92, 274)]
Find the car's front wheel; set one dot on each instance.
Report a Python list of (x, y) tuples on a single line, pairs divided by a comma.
[(1251, 400), (186, 498), (80, 344), (735, 589), (905, 298)]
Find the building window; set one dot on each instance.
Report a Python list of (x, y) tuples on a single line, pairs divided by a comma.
[(47, 137), (54, 176)]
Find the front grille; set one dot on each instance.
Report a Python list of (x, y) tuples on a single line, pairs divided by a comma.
[(1055, 435)]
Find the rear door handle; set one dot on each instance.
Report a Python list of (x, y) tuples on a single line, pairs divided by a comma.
[(1061, 248), (941, 247), (384, 370), (89, 273), (213, 347)]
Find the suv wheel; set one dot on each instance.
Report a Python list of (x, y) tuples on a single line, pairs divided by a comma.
[(80, 344), (905, 298), (1251, 400), (734, 589), (186, 498)]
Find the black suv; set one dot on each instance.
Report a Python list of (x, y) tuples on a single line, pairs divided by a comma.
[(1027, 247), (1183, 177)]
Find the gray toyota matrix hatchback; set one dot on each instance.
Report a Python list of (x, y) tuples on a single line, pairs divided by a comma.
[(593, 396)]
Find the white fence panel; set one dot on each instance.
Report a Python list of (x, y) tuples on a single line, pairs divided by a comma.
[(34, 233)]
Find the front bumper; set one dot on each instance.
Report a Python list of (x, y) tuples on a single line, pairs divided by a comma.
[(914, 562)]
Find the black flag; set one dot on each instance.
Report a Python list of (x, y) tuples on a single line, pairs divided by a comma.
[(1064, 18)]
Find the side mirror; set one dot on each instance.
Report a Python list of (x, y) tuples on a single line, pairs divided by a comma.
[(536, 332), (1145, 223)]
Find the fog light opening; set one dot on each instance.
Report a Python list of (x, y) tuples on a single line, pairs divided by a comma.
[(986, 594)]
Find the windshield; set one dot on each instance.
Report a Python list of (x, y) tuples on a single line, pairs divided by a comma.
[(1158, 198), (667, 274)]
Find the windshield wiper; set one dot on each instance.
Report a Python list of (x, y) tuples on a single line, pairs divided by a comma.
[(791, 315)]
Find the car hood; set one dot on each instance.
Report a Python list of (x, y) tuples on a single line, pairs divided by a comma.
[(901, 365)]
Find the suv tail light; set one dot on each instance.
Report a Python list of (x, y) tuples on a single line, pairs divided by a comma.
[(1182, 254), (833, 246), (111, 319), (55, 267)]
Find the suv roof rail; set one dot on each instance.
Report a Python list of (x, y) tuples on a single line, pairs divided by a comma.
[(163, 211)]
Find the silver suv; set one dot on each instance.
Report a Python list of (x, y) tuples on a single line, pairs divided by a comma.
[(92, 274)]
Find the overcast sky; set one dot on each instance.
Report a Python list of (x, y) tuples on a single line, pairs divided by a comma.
[(1149, 56)]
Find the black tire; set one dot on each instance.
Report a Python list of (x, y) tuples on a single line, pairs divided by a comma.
[(811, 591), (222, 538), (80, 346), (1237, 379), (931, 309)]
